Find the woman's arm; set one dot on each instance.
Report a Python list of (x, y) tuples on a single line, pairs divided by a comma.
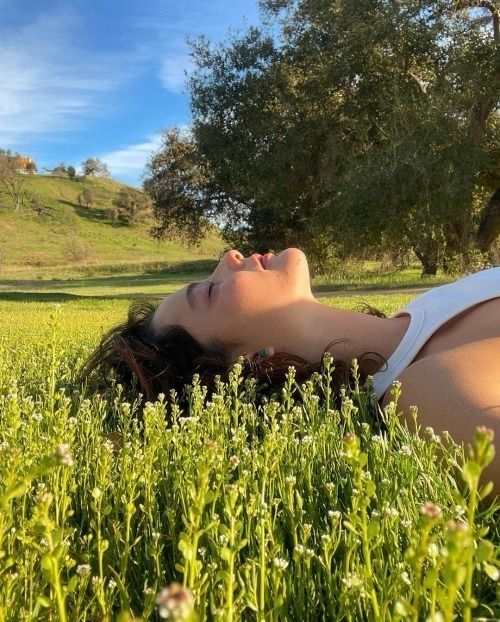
[(457, 390)]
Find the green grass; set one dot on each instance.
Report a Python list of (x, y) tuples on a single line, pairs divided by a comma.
[(159, 282), (294, 509), (36, 247), (372, 275)]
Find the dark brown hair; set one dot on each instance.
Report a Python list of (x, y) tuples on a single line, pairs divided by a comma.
[(145, 361)]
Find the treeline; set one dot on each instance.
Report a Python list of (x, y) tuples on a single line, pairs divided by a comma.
[(91, 167), (346, 128)]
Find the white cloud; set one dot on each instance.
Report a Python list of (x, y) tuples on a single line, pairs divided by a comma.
[(50, 85), (174, 21), (130, 161), (172, 73)]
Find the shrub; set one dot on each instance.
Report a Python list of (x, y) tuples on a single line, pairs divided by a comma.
[(76, 249)]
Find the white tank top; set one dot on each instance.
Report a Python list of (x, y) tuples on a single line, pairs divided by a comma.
[(431, 310)]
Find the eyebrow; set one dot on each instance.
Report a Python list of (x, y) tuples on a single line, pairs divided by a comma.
[(190, 293)]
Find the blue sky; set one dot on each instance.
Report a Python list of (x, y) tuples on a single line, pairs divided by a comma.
[(86, 78)]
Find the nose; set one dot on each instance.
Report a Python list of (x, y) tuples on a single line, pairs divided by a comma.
[(233, 259)]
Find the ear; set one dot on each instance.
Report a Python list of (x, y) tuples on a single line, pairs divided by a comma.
[(254, 356), (264, 352)]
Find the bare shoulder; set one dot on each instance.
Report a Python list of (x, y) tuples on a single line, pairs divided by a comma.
[(456, 390)]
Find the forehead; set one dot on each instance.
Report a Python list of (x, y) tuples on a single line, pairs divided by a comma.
[(170, 310)]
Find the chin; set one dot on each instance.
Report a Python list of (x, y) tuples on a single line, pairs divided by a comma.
[(294, 252), (295, 259), (295, 255)]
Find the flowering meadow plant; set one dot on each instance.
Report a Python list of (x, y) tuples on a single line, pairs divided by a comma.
[(238, 508)]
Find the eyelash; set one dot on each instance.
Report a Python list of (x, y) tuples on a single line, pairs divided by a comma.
[(210, 288)]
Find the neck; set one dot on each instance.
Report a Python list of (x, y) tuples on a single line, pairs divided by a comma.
[(351, 332)]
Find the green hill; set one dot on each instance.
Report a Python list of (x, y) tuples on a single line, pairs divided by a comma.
[(67, 239)]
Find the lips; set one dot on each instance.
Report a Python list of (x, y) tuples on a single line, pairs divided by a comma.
[(265, 259)]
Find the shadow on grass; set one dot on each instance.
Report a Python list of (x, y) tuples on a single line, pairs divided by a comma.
[(62, 297), (95, 214), (177, 273)]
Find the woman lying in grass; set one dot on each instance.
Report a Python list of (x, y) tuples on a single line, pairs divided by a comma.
[(443, 347)]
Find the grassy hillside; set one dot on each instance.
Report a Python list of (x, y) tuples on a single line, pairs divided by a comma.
[(39, 246)]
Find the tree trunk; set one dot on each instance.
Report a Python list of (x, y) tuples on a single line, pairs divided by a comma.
[(427, 252), (489, 227)]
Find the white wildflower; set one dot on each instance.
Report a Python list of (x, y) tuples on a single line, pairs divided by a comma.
[(459, 510), (83, 570), (280, 563), (406, 578), (433, 550), (63, 455)]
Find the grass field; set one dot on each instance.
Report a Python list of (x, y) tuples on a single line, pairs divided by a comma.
[(39, 246), (294, 509)]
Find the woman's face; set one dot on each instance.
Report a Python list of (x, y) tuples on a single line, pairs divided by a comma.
[(245, 304)]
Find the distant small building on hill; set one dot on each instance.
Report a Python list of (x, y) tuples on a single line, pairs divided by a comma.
[(21, 164)]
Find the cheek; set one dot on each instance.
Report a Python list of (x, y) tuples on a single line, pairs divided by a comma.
[(234, 305), (247, 293)]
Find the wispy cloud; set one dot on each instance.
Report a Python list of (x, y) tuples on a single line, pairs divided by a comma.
[(173, 70), (129, 162), (173, 22), (50, 85)]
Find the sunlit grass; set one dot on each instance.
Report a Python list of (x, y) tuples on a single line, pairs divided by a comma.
[(294, 509), (372, 275)]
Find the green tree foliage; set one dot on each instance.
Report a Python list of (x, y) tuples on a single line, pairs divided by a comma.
[(86, 198), (93, 167), (71, 173), (179, 185), (60, 169), (343, 126), (132, 205)]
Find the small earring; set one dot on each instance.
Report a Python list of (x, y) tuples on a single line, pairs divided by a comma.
[(262, 353)]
